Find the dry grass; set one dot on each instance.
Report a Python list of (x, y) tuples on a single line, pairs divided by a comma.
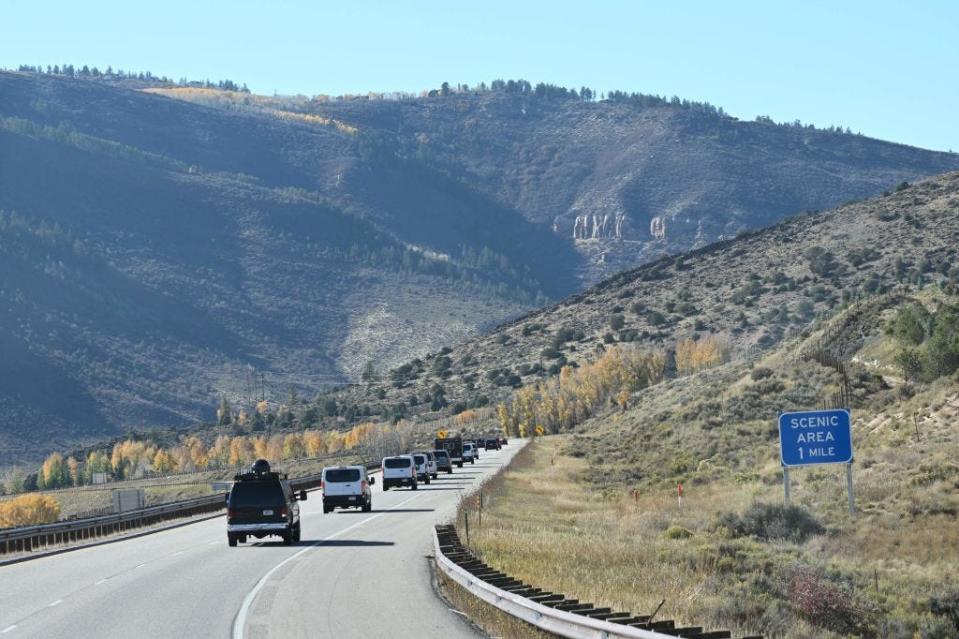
[(544, 524), (493, 621)]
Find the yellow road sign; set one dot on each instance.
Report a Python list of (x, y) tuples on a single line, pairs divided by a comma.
[(540, 430), (441, 434)]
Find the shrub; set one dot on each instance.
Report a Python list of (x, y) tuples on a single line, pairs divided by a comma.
[(549, 353), (824, 604), (772, 521), (946, 605), (822, 262), (617, 321), (677, 532), (761, 372), (29, 510)]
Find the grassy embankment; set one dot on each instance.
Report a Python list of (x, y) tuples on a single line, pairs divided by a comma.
[(594, 514), (872, 575)]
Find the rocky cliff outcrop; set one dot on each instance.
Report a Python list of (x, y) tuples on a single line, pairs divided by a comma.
[(599, 226)]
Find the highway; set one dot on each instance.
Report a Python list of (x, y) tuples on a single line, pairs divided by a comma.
[(354, 574)]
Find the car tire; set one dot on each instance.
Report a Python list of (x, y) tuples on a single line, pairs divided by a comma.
[(296, 533), (413, 486), (386, 487), (231, 539), (472, 461), (241, 539), (459, 464), (368, 506), (427, 480), (287, 537), (449, 471)]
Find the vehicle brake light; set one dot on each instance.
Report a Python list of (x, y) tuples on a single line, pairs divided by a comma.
[(283, 512), (322, 485), (230, 513)]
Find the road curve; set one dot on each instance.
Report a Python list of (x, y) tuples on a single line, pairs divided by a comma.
[(354, 574)]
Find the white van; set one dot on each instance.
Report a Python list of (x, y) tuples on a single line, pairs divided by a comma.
[(434, 471), (422, 467), (399, 471), (469, 452), (347, 487)]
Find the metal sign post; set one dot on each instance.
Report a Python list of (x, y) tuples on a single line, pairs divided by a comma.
[(852, 500), (812, 438), (786, 483)]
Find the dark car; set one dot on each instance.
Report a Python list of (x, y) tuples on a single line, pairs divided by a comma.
[(261, 503), (443, 461), (503, 441), (492, 444)]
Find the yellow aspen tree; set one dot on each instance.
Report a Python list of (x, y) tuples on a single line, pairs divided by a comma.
[(29, 510), (293, 447), (261, 447), (73, 468)]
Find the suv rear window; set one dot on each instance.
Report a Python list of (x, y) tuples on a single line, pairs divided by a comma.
[(419, 459), (342, 475), (256, 493), (440, 453), (397, 462)]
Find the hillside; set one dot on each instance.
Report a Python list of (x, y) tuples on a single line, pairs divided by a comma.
[(625, 179), (752, 292), (159, 253)]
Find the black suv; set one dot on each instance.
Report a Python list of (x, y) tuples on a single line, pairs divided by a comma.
[(492, 444), (261, 504)]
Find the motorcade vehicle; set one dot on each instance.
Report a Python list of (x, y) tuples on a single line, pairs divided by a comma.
[(347, 487), (260, 504), (469, 452), (422, 467), (492, 444), (399, 470), (453, 446), (431, 463), (443, 461)]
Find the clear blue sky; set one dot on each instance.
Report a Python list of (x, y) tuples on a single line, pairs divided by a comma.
[(886, 68)]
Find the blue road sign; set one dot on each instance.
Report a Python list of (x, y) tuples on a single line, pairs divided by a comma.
[(816, 437)]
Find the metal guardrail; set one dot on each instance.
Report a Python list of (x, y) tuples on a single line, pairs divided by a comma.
[(45, 536), (549, 611)]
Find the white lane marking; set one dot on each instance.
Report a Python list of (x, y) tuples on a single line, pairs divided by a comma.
[(213, 543), (55, 603), (179, 552), (140, 566), (102, 581), (240, 622), (7, 629)]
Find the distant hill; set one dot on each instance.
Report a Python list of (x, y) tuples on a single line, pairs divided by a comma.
[(159, 253), (752, 292)]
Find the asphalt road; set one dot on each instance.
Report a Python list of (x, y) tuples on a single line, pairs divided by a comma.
[(354, 574)]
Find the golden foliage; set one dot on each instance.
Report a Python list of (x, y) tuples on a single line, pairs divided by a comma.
[(577, 393), (467, 416), (131, 458), (221, 98), (696, 355), (29, 510)]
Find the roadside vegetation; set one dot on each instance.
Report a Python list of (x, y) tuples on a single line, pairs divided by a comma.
[(595, 513), (189, 468)]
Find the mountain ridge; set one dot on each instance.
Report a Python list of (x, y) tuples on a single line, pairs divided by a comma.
[(162, 252)]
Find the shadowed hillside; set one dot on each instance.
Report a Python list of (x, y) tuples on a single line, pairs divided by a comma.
[(161, 253)]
